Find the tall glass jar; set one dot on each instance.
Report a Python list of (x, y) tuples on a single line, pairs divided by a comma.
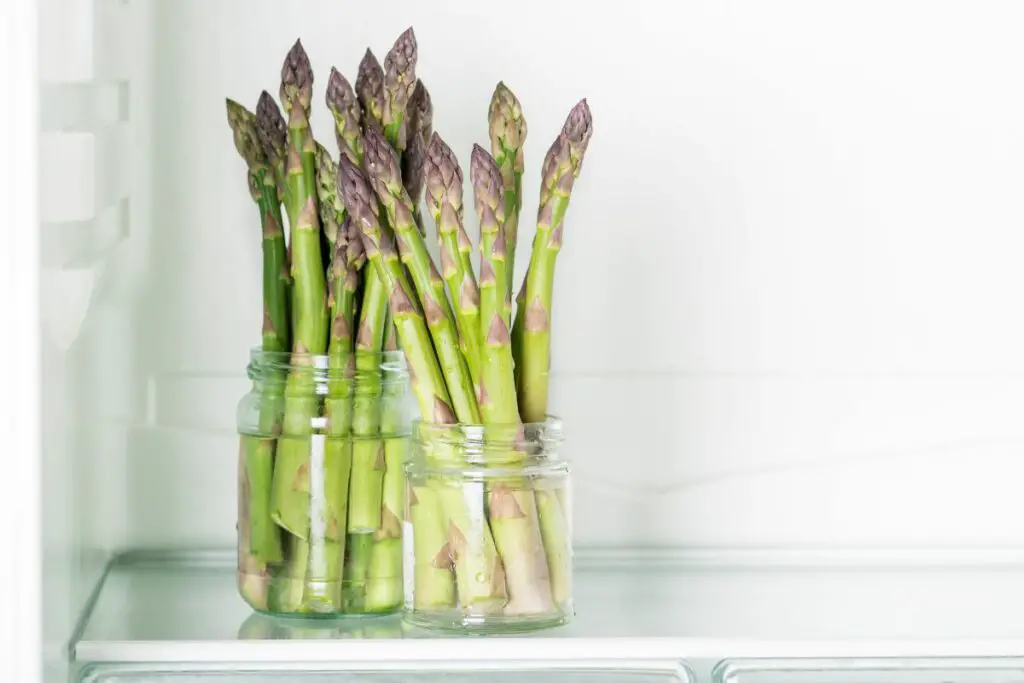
[(489, 537), (321, 491)]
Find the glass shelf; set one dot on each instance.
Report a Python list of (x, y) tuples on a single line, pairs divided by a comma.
[(651, 608)]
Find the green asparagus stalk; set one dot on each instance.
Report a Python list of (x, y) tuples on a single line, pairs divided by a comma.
[(384, 589), (368, 461), (477, 566), (508, 135), (399, 82), (291, 494), (444, 181), (511, 504), (263, 536), (344, 281), (562, 165), (421, 126), (272, 132), (385, 178)]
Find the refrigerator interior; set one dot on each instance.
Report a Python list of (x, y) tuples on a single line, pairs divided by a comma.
[(786, 311)]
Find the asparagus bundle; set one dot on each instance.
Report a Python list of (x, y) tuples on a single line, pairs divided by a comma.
[(313, 491), (356, 278)]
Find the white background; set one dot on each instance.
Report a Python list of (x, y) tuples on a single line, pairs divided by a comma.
[(788, 307)]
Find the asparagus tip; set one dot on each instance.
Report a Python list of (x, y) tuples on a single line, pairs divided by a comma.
[(271, 129), (370, 86), (402, 55), (579, 123), (442, 175), (421, 108), (507, 127), (296, 77), (379, 159)]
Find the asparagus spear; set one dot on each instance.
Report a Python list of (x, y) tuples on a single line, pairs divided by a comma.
[(399, 82), (382, 589), (291, 496), (508, 134), (511, 504), (478, 568), (385, 177), (263, 537), (562, 165), (444, 199)]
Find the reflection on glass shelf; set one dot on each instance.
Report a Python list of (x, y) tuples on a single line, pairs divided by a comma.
[(262, 627)]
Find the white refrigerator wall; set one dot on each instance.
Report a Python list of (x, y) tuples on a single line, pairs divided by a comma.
[(788, 306), (95, 213)]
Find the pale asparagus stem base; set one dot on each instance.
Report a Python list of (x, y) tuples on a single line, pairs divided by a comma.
[(357, 564), (288, 587), (555, 532), (433, 582), (479, 572), (517, 534), (253, 581)]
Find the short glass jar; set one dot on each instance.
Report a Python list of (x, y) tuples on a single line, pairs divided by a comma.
[(488, 547), (321, 491)]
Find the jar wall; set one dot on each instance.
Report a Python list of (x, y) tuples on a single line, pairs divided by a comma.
[(489, 537), (321, 490)]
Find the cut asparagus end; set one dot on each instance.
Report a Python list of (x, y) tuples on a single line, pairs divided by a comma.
[(384, 587), (357, 566)]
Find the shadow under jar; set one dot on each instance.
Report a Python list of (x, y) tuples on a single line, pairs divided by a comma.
[(488, 543), (321, 490)]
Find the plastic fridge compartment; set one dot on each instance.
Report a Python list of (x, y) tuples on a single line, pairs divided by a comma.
[(577, 674), (882, 670)]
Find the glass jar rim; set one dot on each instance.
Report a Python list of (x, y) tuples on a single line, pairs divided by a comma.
[(320, 359), (548, 431)]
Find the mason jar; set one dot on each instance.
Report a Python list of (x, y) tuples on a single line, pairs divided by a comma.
[(321, 492), (488, 547)]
